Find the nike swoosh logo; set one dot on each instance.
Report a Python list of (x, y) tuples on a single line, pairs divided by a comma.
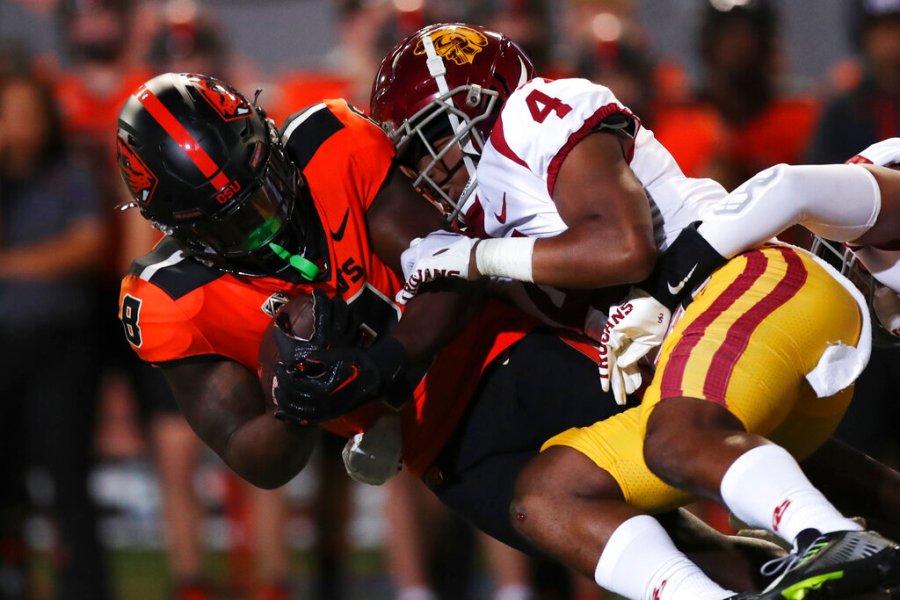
[(346, 382), (675, 289), (502, 216), (338, 235), (779, 514)]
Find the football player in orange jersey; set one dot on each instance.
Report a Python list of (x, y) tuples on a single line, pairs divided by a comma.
[(253, 217)]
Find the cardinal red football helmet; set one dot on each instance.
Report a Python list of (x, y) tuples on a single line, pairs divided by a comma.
[(446, 80)]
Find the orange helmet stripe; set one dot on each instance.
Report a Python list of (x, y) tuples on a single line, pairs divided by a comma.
[(181, 135)]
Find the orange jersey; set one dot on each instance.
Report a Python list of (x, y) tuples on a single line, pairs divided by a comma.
[(174, 308)]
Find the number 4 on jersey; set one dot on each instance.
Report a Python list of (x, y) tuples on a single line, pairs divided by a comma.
[(541, 105)]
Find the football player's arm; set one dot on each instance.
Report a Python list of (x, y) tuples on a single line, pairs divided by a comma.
[(841, 202), (858, 203), (434, 316), (885, 232), (224, 405), (395, 363), (609, 240)]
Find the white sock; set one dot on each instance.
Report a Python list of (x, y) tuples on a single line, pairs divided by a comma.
[(766, 488), (641, 562)]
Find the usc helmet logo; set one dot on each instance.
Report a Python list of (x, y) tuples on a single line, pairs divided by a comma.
[(459, 44)]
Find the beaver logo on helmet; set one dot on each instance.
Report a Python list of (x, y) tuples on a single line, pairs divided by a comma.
[(226, 100), (459, 44), (140, 180)]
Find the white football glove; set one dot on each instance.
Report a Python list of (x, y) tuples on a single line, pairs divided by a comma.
[(613, 376), (375, 456), (886, 303), (883, 153), (634, 328), (438, 254)]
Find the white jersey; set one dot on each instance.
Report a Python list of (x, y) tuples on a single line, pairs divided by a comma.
[(538, 126)]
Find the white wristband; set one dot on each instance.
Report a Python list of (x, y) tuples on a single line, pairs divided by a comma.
[(505, 257)]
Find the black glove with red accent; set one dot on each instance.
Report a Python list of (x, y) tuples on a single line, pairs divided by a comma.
[(338, 380), (334, 325)]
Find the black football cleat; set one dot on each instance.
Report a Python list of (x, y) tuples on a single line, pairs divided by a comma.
[(841, 564)]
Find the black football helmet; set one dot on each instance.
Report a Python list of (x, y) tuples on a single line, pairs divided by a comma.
[(447, 79), (207, 167)]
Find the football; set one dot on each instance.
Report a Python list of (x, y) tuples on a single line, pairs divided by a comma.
[(299, 313)]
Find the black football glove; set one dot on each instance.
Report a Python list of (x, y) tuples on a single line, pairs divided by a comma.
[(338, 380), (334, 326)]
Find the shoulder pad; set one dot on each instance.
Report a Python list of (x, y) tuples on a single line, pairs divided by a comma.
[(170, 270), (304, 131)]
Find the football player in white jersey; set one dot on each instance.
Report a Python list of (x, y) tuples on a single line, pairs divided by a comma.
[(571, 192), (857, 203)]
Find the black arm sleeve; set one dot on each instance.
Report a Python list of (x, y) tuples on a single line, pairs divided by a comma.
[(682, 267)]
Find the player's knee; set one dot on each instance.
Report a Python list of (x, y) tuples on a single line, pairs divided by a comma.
[(543, 485), (555, 478), (531, 497)]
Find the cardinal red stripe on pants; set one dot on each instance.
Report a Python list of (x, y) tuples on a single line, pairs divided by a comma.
[(693, 333), (739, 333), (182, 136)]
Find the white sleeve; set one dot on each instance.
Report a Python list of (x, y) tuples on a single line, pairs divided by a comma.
[(838, 202)]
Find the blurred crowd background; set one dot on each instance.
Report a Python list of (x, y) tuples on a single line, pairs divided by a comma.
[(105, 492)]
